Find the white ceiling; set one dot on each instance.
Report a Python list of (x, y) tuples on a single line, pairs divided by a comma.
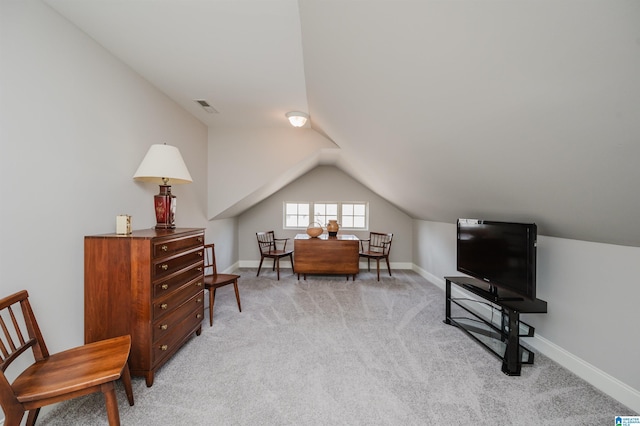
[(524, 110)]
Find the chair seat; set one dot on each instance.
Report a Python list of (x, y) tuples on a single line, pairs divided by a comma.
[(278, 253), (372, 254), (73, 370), (219, 280)]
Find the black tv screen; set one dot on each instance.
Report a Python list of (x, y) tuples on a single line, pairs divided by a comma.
[(502, 254)]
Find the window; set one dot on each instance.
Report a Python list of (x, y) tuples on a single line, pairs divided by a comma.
[(350, 215), (354, 215), (296, 215)]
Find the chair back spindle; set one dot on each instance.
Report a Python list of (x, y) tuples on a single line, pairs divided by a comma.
[(266, 242), (210, 260), (380, 243), (19, 336)]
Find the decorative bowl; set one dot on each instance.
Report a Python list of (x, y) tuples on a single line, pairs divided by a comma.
[(314, 230)]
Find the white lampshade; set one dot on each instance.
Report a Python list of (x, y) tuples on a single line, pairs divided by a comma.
[(297, 118), (163, 164)]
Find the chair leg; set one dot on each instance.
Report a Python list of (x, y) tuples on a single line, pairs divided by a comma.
[(31, 417), (378, 267), (278, 266), (369, 264), (292, 267), (235, 287), (388, 266), (212, 299), (15, 417), (126, 381), (260, 266), (111, 401)]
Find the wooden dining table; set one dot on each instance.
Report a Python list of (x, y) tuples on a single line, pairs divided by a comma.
[(325, 255)]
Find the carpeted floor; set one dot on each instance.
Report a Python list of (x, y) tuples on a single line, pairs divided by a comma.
[(330, 352)]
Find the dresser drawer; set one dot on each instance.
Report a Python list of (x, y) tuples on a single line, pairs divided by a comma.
[(166, 325), (166, 286), (166, 305), (170, 342), (168, 266), (168, 247)]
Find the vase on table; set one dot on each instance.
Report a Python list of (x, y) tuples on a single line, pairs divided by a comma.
[(332, 228)]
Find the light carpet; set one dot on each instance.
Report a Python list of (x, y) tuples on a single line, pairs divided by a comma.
[(327, 351)]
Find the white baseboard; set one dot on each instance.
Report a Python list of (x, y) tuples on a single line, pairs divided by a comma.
[(287, 264), (608, 384), (230, 269), (266, 264)]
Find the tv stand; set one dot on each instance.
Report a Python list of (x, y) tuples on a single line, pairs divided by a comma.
[(494, 292), (503, 339)]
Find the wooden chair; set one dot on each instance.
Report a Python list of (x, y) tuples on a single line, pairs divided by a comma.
[(268, 245), (53, 378), (214, 280), (378, 248)]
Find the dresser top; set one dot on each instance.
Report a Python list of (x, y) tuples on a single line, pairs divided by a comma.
[(151, 233)]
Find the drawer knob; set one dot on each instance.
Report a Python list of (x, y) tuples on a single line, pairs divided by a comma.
[(200, 253), (199, 269), (164, 327), (164, 248), (200, 239), (164, 266), (164, 347), (164, 306), (165, 286), (199, 300), (199, 316)]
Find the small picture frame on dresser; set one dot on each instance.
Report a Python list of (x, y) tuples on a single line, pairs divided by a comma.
[(123, 224)]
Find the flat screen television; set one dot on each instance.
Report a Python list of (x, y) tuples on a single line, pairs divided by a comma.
[(502, 254)]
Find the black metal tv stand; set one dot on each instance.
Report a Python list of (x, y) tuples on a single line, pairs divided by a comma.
[(502, 339)]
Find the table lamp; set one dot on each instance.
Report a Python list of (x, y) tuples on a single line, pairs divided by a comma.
[(163, 164)]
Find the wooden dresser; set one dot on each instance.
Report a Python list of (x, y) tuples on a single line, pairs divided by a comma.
[(148, 284)]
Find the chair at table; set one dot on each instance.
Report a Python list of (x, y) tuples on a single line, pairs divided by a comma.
[(214, 280), (268, 245), (86, 369), (378, 247)]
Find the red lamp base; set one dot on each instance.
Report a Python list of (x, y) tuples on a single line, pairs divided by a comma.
[(165, 205)]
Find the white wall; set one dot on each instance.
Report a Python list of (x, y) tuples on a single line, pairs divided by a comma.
[(325, 183), (260, 161), (76, 123), (224, 233), (592, 291)]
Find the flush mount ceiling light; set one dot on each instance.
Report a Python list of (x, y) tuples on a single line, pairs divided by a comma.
[(297, 118)]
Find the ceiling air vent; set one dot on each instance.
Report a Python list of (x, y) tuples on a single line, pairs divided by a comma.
[(205, 105)]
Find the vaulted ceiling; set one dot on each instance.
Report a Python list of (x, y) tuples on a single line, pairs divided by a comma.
[(525, 110)]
